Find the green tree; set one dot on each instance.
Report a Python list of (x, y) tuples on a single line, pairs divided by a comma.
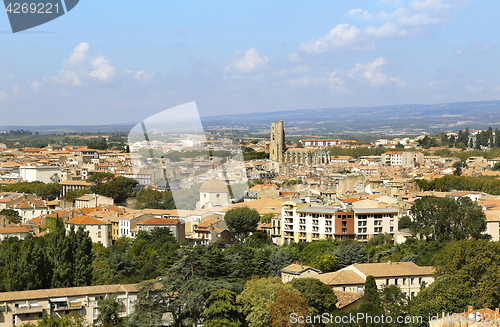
[(372, 305), (286, 302), (325, 262), (319, 296), (242, 221), (221, 309), (109, 311), (12, 215), (404, 222), (350, 253), (278, 260), (83, 258), (257, 296), (445, 219), (496, 167)]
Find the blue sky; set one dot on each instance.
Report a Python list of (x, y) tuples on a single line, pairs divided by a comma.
[(122, 61)]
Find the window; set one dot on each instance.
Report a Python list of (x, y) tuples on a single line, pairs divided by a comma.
[(344, 230), (27, 315), (420, 280), (343, 288), (99, 227), (396, 281), (218, 195), (360, 289), (387, 282), (404, 281), (96, 312), (412, 294), (99, 234), (413, 281), (344, 223)]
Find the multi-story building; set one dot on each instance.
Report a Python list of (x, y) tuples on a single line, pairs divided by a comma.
[(93, 201), (29, 209), (18, 308), (303, 223), (320, 142), (402, 158), (369, 222), (99, 231)]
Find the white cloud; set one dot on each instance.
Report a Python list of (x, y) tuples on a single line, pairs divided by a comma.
[(341, 37), (246, 61), (293, 58), (68, 76), (34, 85), (103, 70), (358, 12), (300, 69), (16, 90), (389, 29), (369, 72), (79, 53), (335, 82), (473, 49), (3, 96), (398, 80), (142, 76)]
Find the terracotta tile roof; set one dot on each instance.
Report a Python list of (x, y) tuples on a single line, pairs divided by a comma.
[(160, 221), (207, 223), (85, 220), (14, 230), (297, 268), (346, 298), (65, 292), (387, 269), (340, 277)]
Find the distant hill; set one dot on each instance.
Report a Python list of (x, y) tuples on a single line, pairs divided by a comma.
[(395, 119)]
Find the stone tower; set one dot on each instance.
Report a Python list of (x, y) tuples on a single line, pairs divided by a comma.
[(277, 145)]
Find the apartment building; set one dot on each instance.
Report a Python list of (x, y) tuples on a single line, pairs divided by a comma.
[(29, 209), (93, 201), (302, 223), (369, 222), (18, 308), (403, 159)]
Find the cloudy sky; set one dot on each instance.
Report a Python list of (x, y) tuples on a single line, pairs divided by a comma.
[(122, 61)]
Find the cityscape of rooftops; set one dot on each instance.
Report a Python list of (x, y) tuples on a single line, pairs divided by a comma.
[(249, 164)]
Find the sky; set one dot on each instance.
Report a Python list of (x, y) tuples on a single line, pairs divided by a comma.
[(110, 62)]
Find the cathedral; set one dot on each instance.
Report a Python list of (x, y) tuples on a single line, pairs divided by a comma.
[(305, 156)]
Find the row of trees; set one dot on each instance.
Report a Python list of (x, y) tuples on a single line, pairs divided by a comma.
[(45, 191), (59, 259), (487, 184)]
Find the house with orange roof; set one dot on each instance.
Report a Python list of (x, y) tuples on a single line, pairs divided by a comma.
[(16, 231), (99, 231), (29, 208), (211, 230), (176, 226)]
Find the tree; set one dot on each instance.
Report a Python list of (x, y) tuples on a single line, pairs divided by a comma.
[(12, 215), (371, 305), (83, 258), (109, 311), (404, 222), (496, 167), (221, 309), (242, 221), (350, 253), (325, 262), (445, 295), (278, 260), (100, 177), (65, 321), (393, 301), (475, 264), (287, 302), (319, 296), (266, 218), (446, 219), (256, 297)]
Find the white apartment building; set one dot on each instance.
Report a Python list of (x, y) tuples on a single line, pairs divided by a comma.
[(369, 222), (99, 231), (402, 158)]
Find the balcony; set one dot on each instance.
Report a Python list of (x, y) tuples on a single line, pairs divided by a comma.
[(65, 306), (26, 310)]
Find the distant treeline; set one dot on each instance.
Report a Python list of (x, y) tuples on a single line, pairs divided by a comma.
[(487, 184)]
